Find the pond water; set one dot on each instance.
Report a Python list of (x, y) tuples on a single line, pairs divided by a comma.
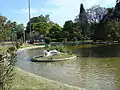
[(96, 68)]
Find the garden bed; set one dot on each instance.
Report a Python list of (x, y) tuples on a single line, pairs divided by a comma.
[(59, 57)]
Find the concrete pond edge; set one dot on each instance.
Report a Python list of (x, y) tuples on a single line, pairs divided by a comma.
[(31, 74)]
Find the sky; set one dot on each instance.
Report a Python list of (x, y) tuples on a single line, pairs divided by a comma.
[(59, 10)]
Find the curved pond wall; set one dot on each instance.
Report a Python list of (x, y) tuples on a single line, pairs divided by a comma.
[(97, 68)]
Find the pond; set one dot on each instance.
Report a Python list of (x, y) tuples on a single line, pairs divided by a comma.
[(96, 68)]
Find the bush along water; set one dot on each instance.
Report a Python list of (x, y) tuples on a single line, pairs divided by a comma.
[(59, 48)]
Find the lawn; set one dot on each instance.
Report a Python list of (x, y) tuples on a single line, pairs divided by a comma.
[(27, 45), (28, 81)]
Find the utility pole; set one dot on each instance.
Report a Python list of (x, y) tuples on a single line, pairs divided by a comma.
[(29, 17), (24, 35)]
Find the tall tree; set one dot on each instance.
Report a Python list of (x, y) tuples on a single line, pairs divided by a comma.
[(41, 27), (55, 31), (7, 57), (41, 24), (4, 27), (82, 15), (39, 19), (68, 29), (108, 28), (72, 30), (113, 13), (83, 21), (19, 30), (117, 11), (95, 14)]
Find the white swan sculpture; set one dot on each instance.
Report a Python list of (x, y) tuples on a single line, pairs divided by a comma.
[(51, 52)]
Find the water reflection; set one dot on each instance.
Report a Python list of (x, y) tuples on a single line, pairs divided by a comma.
[(96, 75), (90, 70), (97, 51)]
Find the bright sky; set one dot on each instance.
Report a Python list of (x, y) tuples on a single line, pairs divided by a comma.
[(59, 10)]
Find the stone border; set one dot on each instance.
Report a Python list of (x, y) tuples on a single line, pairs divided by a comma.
[(32, 47), (31, 74), (51, 60)]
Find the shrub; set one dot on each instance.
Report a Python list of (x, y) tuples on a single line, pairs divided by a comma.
[(17, 45), (58, 48), (7, 63)]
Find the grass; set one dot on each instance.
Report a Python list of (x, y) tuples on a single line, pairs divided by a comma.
[(27, 45), (27, 81)]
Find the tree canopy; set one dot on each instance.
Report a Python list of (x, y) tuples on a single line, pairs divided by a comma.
[(9, 29), (43, 26), (108, 28)]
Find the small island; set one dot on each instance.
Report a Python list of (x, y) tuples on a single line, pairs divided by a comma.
[(53, 55)]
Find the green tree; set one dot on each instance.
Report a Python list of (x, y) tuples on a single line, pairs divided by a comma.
[(113, 30), (82, 19), (72, 30), (41, 27), (19, 30), (108, 27), (7, 57), (55, 31), (40, 23), (4, 27), (68, 29), (100, 32), (77, 31), (15, 30), (95, 14), (117, 11)]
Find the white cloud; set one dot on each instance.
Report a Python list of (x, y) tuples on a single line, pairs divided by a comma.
[(65, 9), (68, 9), (76, 3)]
